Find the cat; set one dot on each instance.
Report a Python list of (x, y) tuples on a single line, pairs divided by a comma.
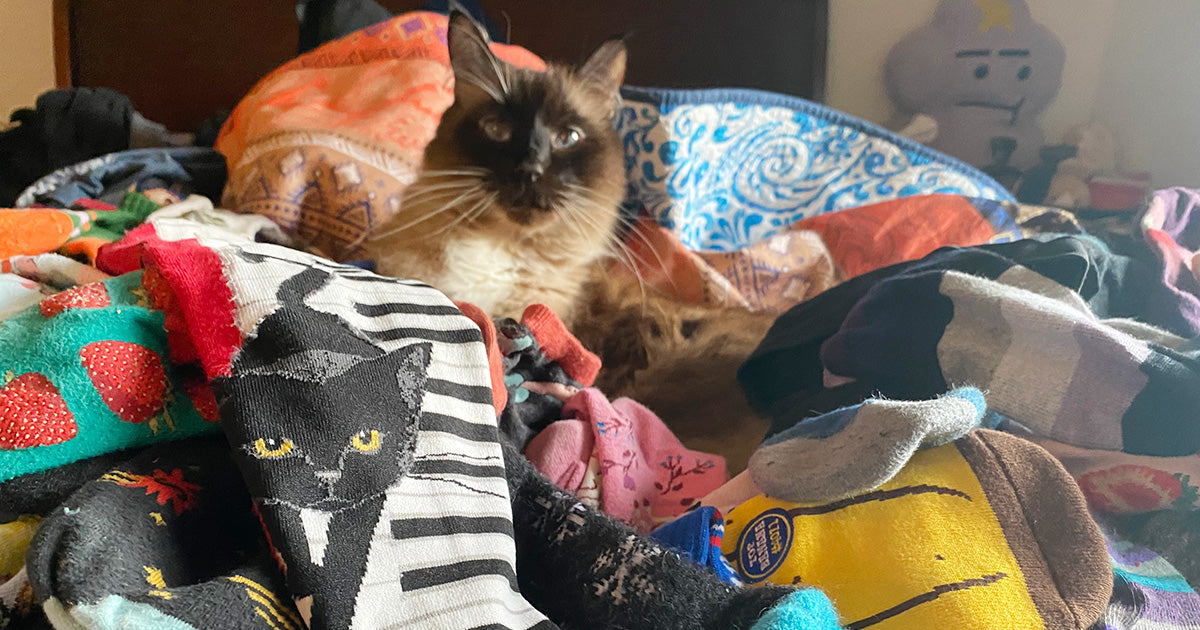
[(519, 192), (322, 484), (519, 203)]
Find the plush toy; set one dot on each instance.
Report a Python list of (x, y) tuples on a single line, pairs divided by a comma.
[(987, 531), (983, 69)]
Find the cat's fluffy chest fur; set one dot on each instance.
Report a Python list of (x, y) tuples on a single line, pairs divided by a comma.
[(498, 274)]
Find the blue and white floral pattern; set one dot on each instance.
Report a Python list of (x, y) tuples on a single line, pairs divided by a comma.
[(724, 169)]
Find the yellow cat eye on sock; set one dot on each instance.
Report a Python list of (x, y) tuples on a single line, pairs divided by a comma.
[(270, 449), (365, 441)]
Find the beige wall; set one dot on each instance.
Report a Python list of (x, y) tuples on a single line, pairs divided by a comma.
[(1150, 97), (26, 53), (861, 32)]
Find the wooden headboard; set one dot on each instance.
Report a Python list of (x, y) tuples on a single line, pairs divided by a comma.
[(180, 61)]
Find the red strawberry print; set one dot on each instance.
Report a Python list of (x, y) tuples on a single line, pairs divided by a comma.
[(33, 413), (129, 378), (202, 397), (94, 295), (1130, 489)]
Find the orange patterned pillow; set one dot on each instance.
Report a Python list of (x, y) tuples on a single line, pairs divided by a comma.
[(325, 144)]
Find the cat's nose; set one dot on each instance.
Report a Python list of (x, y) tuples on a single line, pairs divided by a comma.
[(532, 170), (328, 476)]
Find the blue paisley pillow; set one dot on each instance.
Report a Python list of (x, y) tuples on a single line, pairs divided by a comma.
[(723, 169)]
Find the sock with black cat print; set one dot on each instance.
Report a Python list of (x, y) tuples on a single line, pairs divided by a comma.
[(588, 572), (361, 415)]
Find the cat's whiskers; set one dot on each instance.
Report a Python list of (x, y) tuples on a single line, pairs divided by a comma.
[(631, 263), (473, 213), (423, 192), (567, 210), (491, 199), (632, 228), (429, 215), (584, 195), (446, 172), (574, 213), (580, 202)]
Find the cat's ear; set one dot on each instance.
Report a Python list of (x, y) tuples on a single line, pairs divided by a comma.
[(411, 364), (477, 72), (296, 288), (604, 70)]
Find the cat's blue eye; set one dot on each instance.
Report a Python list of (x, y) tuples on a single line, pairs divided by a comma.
[(568, 138), (981, 71), (1024, 72), (496, 129)]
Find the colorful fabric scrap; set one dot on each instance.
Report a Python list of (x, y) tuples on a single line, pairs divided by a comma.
[(697, 535), (724, 169), (836, 349), (1122, 483), (1171, 228), (84, 373), (26, 232), (1147, 590), (646, 476)]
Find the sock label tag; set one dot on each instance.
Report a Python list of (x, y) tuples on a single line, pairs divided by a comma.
[(763, 545)]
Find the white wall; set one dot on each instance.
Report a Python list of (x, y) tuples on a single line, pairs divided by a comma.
[(861, 32), (26, 53)]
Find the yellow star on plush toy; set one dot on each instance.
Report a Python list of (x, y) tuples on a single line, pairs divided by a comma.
[(995, 13)]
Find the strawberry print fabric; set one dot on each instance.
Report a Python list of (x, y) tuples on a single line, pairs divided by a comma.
[(85, 372)]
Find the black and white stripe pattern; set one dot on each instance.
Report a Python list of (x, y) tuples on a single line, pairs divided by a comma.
[(442, 555)]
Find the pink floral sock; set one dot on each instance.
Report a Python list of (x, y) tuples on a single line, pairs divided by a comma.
[(647, 476)]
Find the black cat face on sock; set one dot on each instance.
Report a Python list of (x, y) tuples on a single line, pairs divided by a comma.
[(328, 436)]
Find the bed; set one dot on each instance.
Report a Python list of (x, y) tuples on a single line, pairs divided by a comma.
[(980, 414)]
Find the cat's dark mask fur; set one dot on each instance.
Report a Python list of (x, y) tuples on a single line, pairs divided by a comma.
[(537, 140), (345, 438)]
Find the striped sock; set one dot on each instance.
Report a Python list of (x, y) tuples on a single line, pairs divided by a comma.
[(361, 415)]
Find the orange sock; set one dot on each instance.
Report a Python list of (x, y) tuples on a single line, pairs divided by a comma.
[(558, 344)]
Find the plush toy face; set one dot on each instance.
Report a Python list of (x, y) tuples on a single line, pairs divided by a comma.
[(983, 69)]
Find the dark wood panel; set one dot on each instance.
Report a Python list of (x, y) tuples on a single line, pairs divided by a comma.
[(776, 45), (180, 61)]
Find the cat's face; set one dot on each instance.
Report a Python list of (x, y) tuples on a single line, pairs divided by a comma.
[(325, 439), (537, 145)]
